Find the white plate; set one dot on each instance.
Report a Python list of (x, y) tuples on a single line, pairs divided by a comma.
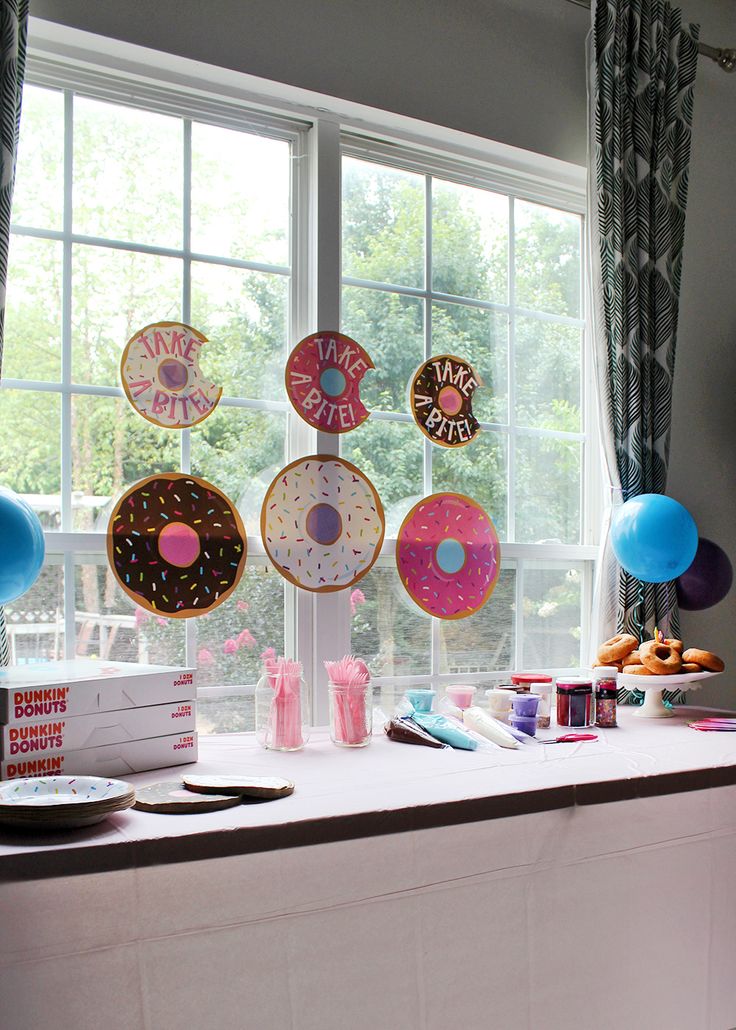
[(681, 681), (62, 801)]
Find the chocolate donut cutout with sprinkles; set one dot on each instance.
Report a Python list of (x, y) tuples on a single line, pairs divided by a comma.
[(441, 400), (176, 545)]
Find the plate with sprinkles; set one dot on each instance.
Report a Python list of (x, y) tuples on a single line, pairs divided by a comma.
[(58, 802)]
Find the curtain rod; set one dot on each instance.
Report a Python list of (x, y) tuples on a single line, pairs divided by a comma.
[(725, 57)]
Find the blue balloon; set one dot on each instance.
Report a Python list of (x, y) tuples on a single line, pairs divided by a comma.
[(654, 538), (21, 546)]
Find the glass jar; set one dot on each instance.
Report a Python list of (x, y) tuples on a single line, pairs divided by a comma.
[(606, 696), (283, 714), (351, 715), (574, 702)]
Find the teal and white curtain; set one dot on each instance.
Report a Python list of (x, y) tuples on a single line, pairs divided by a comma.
[(13, 37), (642, 73)]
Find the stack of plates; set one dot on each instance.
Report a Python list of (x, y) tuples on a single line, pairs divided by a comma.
[(61, 802)]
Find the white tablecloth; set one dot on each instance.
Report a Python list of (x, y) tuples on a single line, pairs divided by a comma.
[(578, 914)]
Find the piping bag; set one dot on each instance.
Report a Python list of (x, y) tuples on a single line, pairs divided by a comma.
[(484, 724), (446, 730), (406, 731)]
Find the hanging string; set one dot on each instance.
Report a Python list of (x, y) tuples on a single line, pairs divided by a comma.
[(637, 619)]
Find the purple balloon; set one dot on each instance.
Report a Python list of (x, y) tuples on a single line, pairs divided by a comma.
[(708, 579)]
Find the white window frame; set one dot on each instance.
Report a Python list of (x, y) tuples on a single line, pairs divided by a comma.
[(316, 626)]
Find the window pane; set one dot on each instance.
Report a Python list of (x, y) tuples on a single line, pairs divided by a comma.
[(548, 360), (244, 317), (128, 173), (33, 314), (112, 448), (388, 630), (391, 454), (241, 452), (552, 614), (29, 450), (35, 621), (112, 627), (485, 641), (382, 224), (547, 490), (547, 259), (470, 242), (479, 471), (240, 195), (391, 328), (116, 293), (38, 194), (231, 639), (480, 337)]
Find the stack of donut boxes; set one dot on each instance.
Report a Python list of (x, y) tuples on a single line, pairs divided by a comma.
[(95, 718)]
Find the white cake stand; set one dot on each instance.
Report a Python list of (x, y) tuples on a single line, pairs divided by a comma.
[(652, 687)]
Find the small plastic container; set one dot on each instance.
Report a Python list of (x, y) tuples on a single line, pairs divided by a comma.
[(524, 723), (606, 696), (282, 722), (420, 700), (499, 702), (545, 687), (574, 702), (523, 680), (351, 715), (525, 705), (461, 695)]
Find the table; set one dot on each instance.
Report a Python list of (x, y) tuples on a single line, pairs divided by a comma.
[(573, 885)]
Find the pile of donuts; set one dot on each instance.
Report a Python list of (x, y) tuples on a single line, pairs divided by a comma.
[(662, 656)]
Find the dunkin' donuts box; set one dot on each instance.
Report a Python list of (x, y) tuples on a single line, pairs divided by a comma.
[(81, 686), (115, 760), (59, 733)]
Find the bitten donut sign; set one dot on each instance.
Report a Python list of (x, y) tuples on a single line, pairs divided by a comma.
[(162, 379), (448, 555), (441, 398), (176, 545), (323, 376)]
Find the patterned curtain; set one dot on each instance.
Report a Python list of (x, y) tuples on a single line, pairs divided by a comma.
[(13, 37), (642, 72)]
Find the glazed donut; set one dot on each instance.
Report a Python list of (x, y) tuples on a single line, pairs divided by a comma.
[(162, 379), (676, 645), (709, 661), (448, 555), (322, 523), (176, 545), (637, 670), (691, 667), (323, 376), (660, 659), (613, 665), (441, 398), (616, 648), (634, 658)]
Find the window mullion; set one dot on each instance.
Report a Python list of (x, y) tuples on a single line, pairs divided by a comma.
[(511, 352), (330, 612)]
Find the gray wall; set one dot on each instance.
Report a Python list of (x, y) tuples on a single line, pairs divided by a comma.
[(514, 71)]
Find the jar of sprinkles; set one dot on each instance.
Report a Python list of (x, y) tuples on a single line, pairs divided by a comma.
[(574, 702), (606, 696)]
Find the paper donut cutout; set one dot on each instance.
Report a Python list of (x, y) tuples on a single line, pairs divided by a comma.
[(176, 545), (162, 379), (322, 523), (448, 555), (441, 400), (323, 376)]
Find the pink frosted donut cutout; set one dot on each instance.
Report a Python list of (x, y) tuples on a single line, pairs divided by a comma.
[(323, 376), (453, 531)]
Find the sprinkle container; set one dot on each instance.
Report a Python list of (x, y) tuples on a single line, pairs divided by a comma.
[(574, 702), (606, 696)]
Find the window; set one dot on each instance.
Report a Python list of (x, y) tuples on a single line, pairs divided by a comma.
[(137, 202)]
